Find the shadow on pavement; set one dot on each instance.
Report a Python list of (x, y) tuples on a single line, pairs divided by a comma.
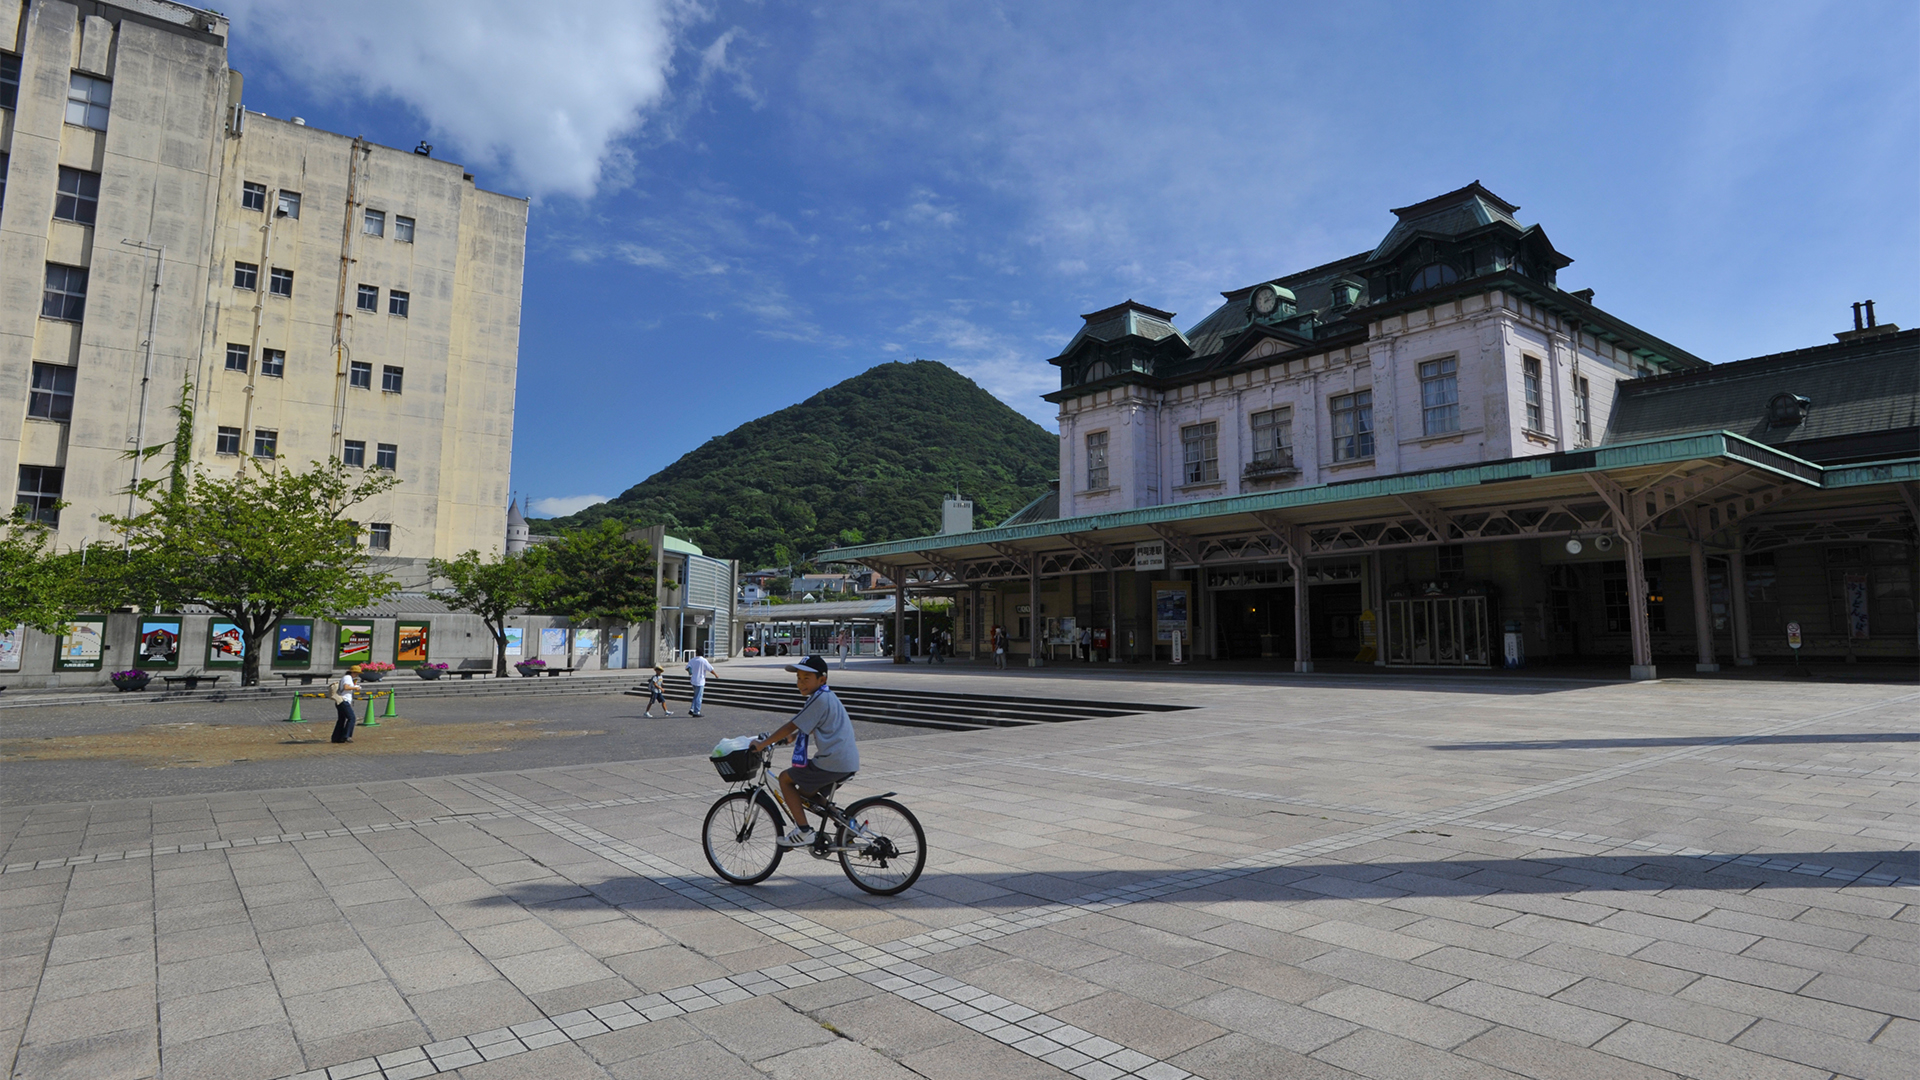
[(795, 885), (1687, 740)]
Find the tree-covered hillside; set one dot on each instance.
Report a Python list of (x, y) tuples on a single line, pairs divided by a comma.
[(866, 460)]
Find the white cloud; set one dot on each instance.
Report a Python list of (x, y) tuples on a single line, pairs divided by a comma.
[(539, 91), (562, 505)]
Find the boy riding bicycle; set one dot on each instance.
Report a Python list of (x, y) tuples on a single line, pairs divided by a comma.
[(825, 753)]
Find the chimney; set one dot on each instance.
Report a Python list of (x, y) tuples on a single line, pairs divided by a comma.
[(1867, 327)]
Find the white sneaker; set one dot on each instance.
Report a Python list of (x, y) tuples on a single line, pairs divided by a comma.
[(798, 836)]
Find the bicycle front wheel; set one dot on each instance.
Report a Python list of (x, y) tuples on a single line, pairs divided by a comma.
[(739, 838), (885, 850)]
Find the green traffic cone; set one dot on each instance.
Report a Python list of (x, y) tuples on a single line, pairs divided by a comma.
[(392, 696), (294, 716)]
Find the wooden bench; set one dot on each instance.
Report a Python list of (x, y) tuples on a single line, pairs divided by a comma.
[(306, 677), (551, 669), (471, 666), (192, 680)]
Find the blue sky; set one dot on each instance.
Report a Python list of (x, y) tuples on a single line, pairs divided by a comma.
[(738, 203)]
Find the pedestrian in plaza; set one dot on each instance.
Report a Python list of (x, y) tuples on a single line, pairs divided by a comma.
[(846, 647), (1086, 644), (1000, 647), (342, 693), (657, 691), (699, 669), (906, 642), (939, 647)]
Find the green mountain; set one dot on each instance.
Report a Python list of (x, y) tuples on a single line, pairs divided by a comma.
[(863, 461)]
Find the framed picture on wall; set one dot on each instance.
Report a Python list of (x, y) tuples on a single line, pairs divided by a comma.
[(12, 641), (226, 647), (553, 641), (514, 635), (293, 643), (356, 644), (1171, 610), (82, 644), (159, 645), (410, 643)]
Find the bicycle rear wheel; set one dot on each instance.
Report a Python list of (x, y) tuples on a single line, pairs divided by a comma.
[(888, 850), (739, 836)]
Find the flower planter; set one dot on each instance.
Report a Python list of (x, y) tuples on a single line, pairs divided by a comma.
[(128, 685), (529, 670), (371, 676), (428, 672)]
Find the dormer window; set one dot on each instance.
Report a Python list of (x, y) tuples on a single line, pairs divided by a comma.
[(1430, 276), (1787, 410)]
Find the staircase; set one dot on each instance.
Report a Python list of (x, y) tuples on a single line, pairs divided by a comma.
[(909, 708)]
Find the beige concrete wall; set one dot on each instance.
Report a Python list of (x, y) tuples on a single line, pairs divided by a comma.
[(173, 164)]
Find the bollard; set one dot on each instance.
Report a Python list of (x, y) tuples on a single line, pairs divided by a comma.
[(294, 716)]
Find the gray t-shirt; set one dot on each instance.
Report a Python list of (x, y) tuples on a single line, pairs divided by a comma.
[(828, 732)]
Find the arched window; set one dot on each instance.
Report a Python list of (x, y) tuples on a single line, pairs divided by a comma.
[(1431, 276), (1096, 371)]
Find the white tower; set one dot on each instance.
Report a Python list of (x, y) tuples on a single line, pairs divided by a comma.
[(517, 531)]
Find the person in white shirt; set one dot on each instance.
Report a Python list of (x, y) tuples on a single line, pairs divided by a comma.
[(698, 670), (343, 705)]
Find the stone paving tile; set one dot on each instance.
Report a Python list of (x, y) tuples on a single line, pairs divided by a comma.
[(1429, 913)]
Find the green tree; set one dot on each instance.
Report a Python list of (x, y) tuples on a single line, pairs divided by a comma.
[(255, 547), (38, 586), (600, 576), (493, 589)]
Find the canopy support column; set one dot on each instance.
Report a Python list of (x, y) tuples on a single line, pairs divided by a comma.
[(899, 618), (1034, 622), (1702, 607), (1642, 641), (1302, 623), (1737, 593)]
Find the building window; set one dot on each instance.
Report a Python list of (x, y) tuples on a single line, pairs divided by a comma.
[(39, 492), (369, 298), (386, 456), (52, 395), (380, 536), (391, 377), (1273, 437), (1431, 276), (266, 443), (1200, 447), (288, 204), (1440, 396), (374, 223), (246, 276), (280, 282), (253, 196), (1583, 411), (273, 363), (360, 374), (87, 101), (79, 196), (403, 229), (1096, 460), (354, 452), (239, 357), (9, 81), (226, 440), (397, 302), (1353, 426), (1451, 561), (66, 295), (1530, 390), (1614, 598)]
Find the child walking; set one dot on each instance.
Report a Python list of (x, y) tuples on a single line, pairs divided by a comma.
[(657, 691)]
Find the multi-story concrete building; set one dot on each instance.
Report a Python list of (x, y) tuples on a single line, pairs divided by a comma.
[(323, 296)]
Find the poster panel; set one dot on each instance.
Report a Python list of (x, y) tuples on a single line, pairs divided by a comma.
[(80, 646), (293, 643), (553, 641), (1172, 605), (515, 636), (1856, 597), (159, 645), (586, 642), (226, 647), (12, 641), (356, 644), (410, 644)]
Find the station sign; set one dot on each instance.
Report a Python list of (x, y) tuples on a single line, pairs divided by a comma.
[(1151, 556)]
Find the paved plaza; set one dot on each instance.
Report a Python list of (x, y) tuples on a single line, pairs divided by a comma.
[(1301, 877)]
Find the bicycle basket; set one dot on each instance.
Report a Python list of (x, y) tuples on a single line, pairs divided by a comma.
[(739, 767)]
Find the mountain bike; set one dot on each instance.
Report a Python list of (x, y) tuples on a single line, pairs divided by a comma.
[(879, 842)]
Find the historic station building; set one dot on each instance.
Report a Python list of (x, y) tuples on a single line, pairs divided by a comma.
[(1428, 454)]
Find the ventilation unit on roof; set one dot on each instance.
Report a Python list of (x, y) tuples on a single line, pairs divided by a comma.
[(1787, 410)]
